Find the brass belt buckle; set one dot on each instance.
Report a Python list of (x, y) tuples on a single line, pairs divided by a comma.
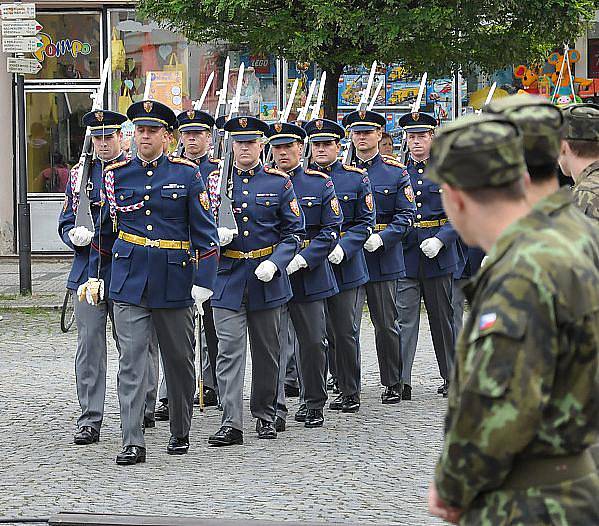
[(246, 255), (152, 243)]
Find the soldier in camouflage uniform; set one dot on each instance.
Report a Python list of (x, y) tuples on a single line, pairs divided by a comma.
[(524, 397), (580, 155)]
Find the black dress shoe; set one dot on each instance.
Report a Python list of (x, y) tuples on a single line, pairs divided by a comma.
[(314, 418), (161, 413), (392, 395), (265, 429), (441, 388), (178, 446), (279, 424), (300, 416), (86, 435), (210, 398), (131, 455), (226, 436), (351, 404), (406, 393), (148, 422), (291, 391), (337, 404)]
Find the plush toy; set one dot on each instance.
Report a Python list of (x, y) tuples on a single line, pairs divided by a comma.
[(564, 89), (529, 78)]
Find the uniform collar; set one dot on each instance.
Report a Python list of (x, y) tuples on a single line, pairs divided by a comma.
[(119, 157), (154, 162), (366, 163), (555, 201), (295, 171), (326, 169), (198, 160), (594, 166), (417, 163), (250, 172)]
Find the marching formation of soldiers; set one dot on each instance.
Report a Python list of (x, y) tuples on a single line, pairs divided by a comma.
[(312, 240)]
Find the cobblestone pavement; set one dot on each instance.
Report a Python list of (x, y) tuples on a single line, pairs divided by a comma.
[(371, 467)]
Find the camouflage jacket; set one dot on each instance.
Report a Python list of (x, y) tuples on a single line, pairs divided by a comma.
[(586, 191), (525, 381)]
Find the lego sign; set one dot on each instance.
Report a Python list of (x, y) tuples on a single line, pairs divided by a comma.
[(261, 64)]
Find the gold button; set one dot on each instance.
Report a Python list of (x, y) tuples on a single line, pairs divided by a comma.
[(245, 192), (345, 197), (150, 173), (184, 264), (420, 170), (149, 227), (419, 182), (244, 205), (246, 219), (148, 187), (246, 233), (418, 205), (116, 255), (146, 197), (418, 192), (440, 190), (267, 203), (175, 196), (148, 212), (122, 198), (418, 216), (309, 204), (246, 180), (386, 191)]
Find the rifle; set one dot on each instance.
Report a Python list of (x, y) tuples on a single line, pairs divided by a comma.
[(350, 153), (285, 115), (221, 107), (403, 149), (196, 105), (84, 213), (315, 113), (226, 217)]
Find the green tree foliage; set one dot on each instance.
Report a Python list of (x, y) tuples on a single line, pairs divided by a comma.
[(432, 35)]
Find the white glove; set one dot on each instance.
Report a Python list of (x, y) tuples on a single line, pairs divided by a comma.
[(200, 295), (265, 271), (431, 246), (225, 235), (337, 255), (296, 263), (484, 261), (81, 236), (81, 291), (94, 293), (374, 242)]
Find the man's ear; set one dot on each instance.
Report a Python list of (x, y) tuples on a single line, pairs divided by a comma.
[(454, 196)]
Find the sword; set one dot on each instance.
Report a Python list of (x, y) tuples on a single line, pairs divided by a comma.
[(316, 108), (490, 94), (304, 111), (197, 105)]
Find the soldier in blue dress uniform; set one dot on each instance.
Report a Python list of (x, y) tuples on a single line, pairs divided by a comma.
[(344, 310), (162, 212), (469, 265), (394, 206), (431, 256), (312, 278), (252, 282), (92, 260)]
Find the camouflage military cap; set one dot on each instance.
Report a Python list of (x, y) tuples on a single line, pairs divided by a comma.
[(582, 122), (541, 122), (477, 151)]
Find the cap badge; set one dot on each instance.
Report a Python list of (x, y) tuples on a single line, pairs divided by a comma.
[(319, 124), (362, 114), (148, 105), (278, 127), (415, 115), (99, 116), (243, 122), (191, 114)]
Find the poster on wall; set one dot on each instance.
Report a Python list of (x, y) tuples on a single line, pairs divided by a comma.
[(593, 58), (351, 87), (166, 87)]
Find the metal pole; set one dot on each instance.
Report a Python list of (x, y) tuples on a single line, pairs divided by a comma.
[(24, 212)]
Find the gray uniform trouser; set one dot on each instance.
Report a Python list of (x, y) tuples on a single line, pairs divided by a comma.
[(437, 293), (90, 359), (232, 328), (174, 330), (153, 375), (457, 302), (288, 349), (343, 333), (381, 298)]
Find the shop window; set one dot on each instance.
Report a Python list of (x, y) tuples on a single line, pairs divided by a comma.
[(54, 137), (71, 46), (178, 70)]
